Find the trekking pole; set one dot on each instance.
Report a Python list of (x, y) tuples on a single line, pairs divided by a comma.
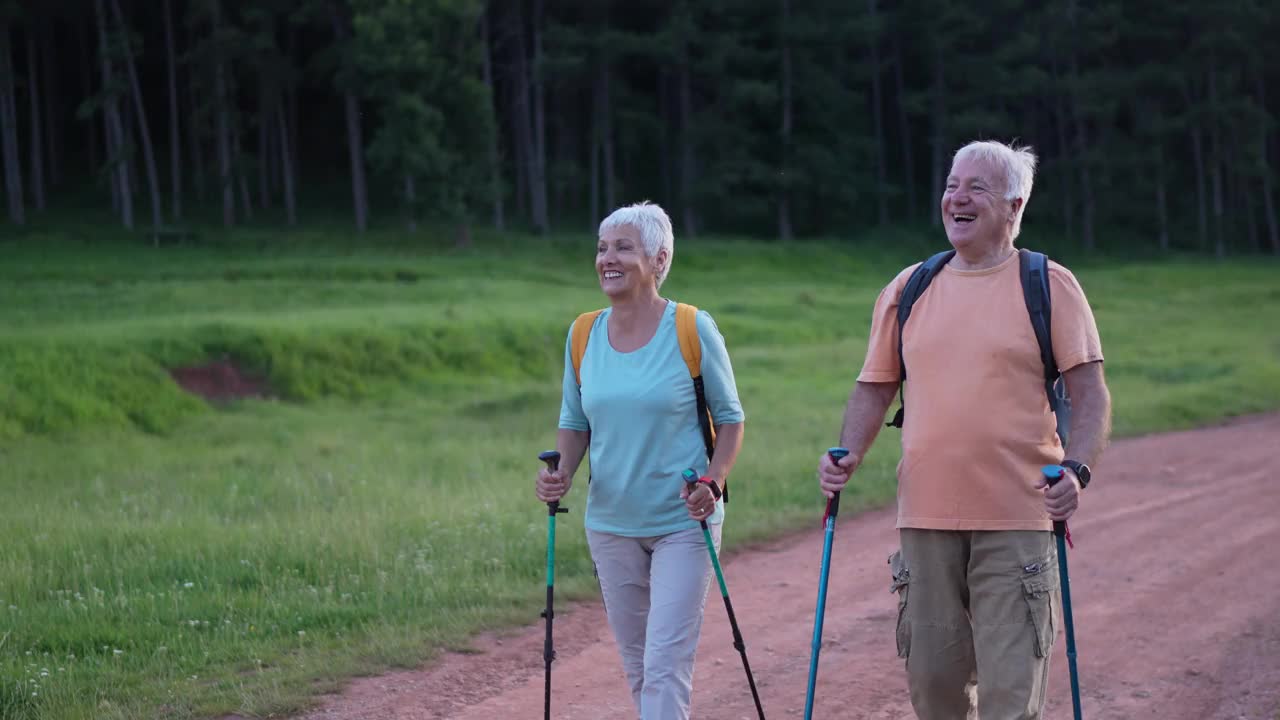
[(552, 459), (829, 520), (1052, 474), (691, 479)]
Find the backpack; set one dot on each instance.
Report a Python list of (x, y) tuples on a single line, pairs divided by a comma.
[(690, 349), (1035, 291)]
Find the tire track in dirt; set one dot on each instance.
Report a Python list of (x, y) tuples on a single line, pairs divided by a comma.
[(1175, 586)]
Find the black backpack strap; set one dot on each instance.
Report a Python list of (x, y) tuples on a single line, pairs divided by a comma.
[(1035, 290), (704, 424), (915, 287)]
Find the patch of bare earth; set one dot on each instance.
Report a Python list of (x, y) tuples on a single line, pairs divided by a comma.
[(220, 381), (1175, 588)]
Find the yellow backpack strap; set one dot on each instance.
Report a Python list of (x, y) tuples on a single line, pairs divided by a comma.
[(690, 343), (691, 349), (578, 337)]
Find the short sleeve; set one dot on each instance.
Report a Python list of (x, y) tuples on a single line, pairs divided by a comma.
[(717, 374), (571, 415), (882, 363), (1075, 332)]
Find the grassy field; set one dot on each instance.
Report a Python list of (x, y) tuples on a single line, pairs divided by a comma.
[(163, 558)]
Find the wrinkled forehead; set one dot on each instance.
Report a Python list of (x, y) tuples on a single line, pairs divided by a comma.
[(972, 169)]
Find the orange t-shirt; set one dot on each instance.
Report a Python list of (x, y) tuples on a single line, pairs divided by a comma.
[(978, 425)]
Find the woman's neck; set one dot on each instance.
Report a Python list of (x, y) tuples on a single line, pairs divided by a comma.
[(628, 311)]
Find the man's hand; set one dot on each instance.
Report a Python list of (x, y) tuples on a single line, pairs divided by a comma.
[(832, 476), (1061, 500)]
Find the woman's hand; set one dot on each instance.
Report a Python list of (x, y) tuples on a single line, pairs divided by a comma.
[(552, 485), (700, 503)]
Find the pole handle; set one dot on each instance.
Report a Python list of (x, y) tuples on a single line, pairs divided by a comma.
[(552, 459), (1052, 475), (833, 505)]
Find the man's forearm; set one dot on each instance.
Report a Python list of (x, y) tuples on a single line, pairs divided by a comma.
[(1090, 426), (864, 415)]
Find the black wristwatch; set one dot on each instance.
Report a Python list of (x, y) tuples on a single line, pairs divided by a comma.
[(1081, 470)]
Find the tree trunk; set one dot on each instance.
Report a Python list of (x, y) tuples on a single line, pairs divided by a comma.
[(939, 130), (291, 51), (410, 203), (86, 83), (1268, 203), (286, 165), (264, 152), (140, 110), (904, 131), (495, 166), (225, 181), (606, 139), (1064, 147), (593, 167), (784, 132), (175, 132), (877, 117), (237, 164), (1251, 218), (1162, 201), (355, 145), (52, 108), (1083, 163), (521, 113), (130, 148), (195, 149), (355, 136), (1269, 208), (115, 130), (1215, 162), (541, 219), (688, 163), (37, 139), (9, 121), (666, 158)]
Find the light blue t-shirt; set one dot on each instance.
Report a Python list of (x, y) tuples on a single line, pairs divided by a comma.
[(641, 410)]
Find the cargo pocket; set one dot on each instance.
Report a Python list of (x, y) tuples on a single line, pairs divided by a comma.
[(1039, 585), (901, 586)]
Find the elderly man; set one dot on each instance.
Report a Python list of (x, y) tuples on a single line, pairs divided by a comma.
[(976, 576)]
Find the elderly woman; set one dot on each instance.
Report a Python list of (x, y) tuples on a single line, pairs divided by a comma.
[(635, 408)]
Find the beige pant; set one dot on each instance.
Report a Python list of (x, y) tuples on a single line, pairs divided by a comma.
[(977, 619), (655, 589)]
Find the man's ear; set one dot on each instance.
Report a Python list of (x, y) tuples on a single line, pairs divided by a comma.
[(1015, 205)]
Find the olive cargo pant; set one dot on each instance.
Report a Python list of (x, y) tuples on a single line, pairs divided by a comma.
[(977, 619)]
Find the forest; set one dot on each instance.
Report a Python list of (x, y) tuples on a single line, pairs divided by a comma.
[(1154, 120)]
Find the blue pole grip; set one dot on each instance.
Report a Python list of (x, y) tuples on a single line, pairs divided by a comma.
[(1052, 474)]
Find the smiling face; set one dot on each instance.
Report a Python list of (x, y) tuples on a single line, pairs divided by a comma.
[(622, 265), (975, 212)]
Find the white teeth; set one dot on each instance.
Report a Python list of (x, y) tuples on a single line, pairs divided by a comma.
[(612, 275)]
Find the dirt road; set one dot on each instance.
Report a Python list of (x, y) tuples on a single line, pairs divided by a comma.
[(1174, 579)]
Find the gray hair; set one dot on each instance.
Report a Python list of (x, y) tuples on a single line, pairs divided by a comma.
[(1017, 165), (655, 230)]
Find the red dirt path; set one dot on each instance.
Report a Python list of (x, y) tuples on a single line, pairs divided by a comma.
[(1174, 580)]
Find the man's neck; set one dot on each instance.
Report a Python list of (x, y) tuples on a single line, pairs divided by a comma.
[(981, 258)]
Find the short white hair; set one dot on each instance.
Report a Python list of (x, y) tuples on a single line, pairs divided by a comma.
[(655, 230), (1017, 163)]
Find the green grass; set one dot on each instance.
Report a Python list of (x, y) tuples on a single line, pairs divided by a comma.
[(163, 558)]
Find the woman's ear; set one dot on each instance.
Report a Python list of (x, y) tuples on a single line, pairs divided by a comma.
[(660, 261)]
